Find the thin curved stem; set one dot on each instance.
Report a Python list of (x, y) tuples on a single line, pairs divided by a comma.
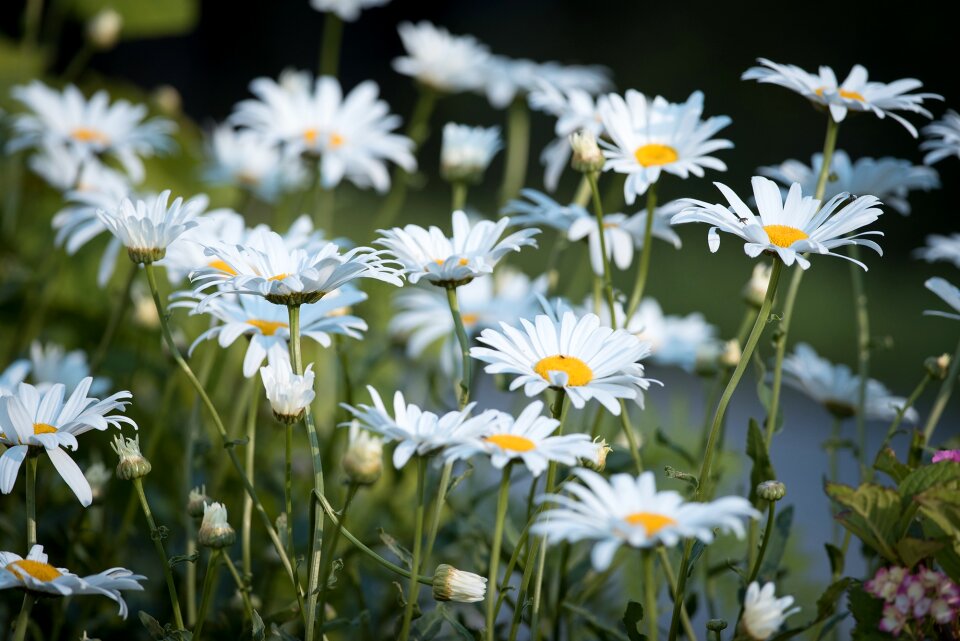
[(607, 277), (155, 535), (946, 389), (672, 586), (116, 315), (862, 312), (442, 487), (209, 580), (767, 532), (242, 587), (901, 412), (23, 619), (518, 148), (417, 549), (330, 45), (250, 458), (644, 269), (288, 487), (650, 595), (458, 198), (464, 341), (31, 502), (503, 499), (632, 442)]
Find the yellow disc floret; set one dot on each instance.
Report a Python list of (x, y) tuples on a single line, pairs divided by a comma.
[(784, 235), (267, 328), (650, 521), (511, 442), (39, 571), (578, 373), (655, 154)]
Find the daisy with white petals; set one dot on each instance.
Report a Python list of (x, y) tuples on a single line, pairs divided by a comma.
[(586, 360), (12, 376), (289, 394), (674, 340), (623, 233), (942, 138), (575, 110), (855, 93), (948, 293), (441, 60), (147, 227), (348, 10), (628, 510), (763, 612), (50, 363), (945, 248), (467, 151), (34, 574), (540, 209), (246, 159), (787, 227)]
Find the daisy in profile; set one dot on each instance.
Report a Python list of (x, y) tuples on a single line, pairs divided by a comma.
[(942, 138), (948, 293), (623, 233), (945, 248), (889, 179), (763, 613), (416, 431), (507, 79), (147, 227), (466, 152), (348, 10), (440, 60), (472, 251), (838, 389), (787, 227), (29, 419), (575, 110), (586, 360), (653, 136), (289, 394), (51, 364), (537, 208), (675, 341), (528, 439), (266, 324), (286, 276), (245, 159), (628, 510), (856, 93), (34, 574), (89, 129)]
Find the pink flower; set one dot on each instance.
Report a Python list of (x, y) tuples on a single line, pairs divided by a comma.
[(947, 455), (893, 620)]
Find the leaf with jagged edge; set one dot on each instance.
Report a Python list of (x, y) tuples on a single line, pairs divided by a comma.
[(888, 463), (912, 551), (939, 508), (926, 476), (873, 513)]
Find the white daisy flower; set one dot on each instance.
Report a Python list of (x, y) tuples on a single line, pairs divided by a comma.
[(838, 389), (472, 251), (466, 151), (51, 364), (787, 226), (441, 60), (147, 227), (580, 356), (506, 79), (943, 138), (13, 375), (889, 179), (451, 584), (947, 292), (592, 79), (89, 129), (362, 461), (245, 159), (628, 510), (528, 438), (650, 136), (35, 574), (65, 172), (855, 93), (31, 419), (267, 325), (286, 276), (575, 110), (289, 394), (674, 340), (540, 209), (416, 431), (945, 248), (348, 10), (351, 134), (763, 612)]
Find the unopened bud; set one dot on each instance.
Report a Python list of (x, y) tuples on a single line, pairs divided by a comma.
[(451, 584), (215, 532), (587, 157), (132, 465), (771, 490), (716, 625), (707, 361), (599, 459), (363, 460), (97, 476), (103, 30), (756, 288), (196, 501), (289, 394), (168, 100), (730, 356), (938, 366)]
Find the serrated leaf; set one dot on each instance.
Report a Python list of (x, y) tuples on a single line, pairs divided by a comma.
[(836, 557), (258, 630), (926, 476), (777, 546), (632, 617), (154, 629), (762, 466), (887, 463), (662, 439), (912, 551), (402, 553), (873, 515)]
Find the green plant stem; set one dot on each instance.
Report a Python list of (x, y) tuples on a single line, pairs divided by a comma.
[(417, 549), (442, 488), (330, 45), (250, 450), (155, 535), (503, 500), (79, 62), (892, 430), (221, 430), (23, 619), (464, 341), (834, 467), (767, 533), (209, 580), (946, 388), (672, 587), (649, 594), (32, 15), (31, 501), (288, 487), (116, 315), (331, 550), (632, 442), (706, 466), (242, 587), (458, 198), (862, 313), (326, 204), (511, 566), (518, 149), (607, 277), (644, 269), (533, 548)]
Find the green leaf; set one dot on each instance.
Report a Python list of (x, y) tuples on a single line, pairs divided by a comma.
[(176, 560), (681, 476), (598, 627), (154, 629), (837, 559), (912, 551), (873, 515), (401, 552), (144, 19), (449, 617), (867, 612), (940, 512), (778, 542), (428, 626), (926, 476), (335, 567), (632, 617), (757, 451), (258, 630), (826, 608), (662, 439), (887, 463)]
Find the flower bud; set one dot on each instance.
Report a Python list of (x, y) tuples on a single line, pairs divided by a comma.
[(938, 366), (289, 394), (730, 356), (132, 465), (215, 532), (707, 361), (587, 157), (168, 100), (451, 584), (756, 288), (103, 30), (363, 460), (146, 255), (771, 490), (716, 625), (599, 459), (196, 501), (97, 476)]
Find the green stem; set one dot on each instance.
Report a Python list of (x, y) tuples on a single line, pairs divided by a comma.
[(503, 499), (511, 566), (31, 24), (459, 195), (863, 357), (417, 548), (324, 207), (946, 388), (834, 467), (209, 580), (242, 586), (23, 619), (331, 550), (442, 487), (31, 501), (607, 277), (672, 587), (829, 145), (464, 344), (155, 535), (250, 451), (518, 149), (79, 62), (288, 488), (116, 315), (644, 269), (632, 442), (892, 430), (650, 595), (330, 45), (767, 532), (706, 467)]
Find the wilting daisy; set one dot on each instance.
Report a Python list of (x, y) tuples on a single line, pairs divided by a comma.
[(575, 110), (31, 419), (945, 248), (763, 612), (467, 151), (51, 364), (287, 276), (889, 179), (855, 93), (787, 226), (416, 431), (838, 389), (34, 574), (628, 510), (528, 438), (650, 136), (585, 359), (943, 138), (472, 251), (348, 10), (245, 159), (147, 227), (441, 60), (289, 394), (540, 209), (88, 128), (622, 233), (947, 292), (266, 324)]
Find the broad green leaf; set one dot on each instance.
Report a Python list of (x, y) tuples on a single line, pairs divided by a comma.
[(757, 451), (927, 476), (872, 514), (150, 19), (939, 508), (826, 608), (867, 612), (778, 542), (912, 551), (887, 463), (632, 617)]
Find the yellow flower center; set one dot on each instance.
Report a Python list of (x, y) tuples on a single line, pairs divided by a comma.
[(44, 428), (469, 319), (336, 140), (511, 442), (784, 235), (440, 261), (39, 571), (223, 266), (655, 154), (849, 95), (578, 373), (279, 276), (86, 134), (310, 135), (651, 522), (267, 328)]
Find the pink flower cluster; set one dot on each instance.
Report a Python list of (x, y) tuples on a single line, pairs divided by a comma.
[(947, 455), (914, 601)]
